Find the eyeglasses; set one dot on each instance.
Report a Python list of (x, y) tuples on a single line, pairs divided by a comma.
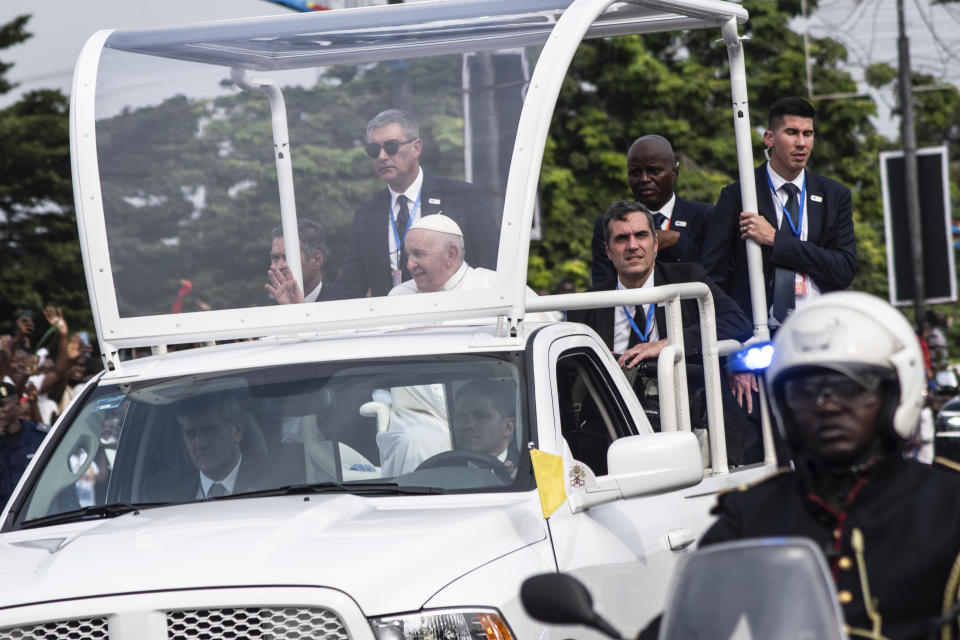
[(390, 146), (811, 390)]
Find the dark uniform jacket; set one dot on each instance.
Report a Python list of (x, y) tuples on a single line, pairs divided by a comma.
[(909, 514), (16, 451)]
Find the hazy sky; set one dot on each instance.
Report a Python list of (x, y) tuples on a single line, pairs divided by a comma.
[(60, 28)]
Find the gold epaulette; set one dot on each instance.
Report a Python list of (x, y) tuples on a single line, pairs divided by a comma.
[(946, 463), (750, 485)]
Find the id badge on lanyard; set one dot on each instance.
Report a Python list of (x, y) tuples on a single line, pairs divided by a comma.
[(794, 228)]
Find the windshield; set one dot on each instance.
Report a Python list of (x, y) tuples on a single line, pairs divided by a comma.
[(425, 425)]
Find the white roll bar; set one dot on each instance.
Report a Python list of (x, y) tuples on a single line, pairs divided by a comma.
[(670, 296), (281, 152)]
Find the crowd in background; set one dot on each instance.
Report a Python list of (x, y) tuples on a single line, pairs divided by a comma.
[(39, 376)]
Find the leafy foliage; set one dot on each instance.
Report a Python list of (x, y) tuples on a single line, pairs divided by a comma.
[(40, 258)]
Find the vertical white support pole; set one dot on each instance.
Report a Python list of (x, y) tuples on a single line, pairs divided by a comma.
[(281, 152), (678, 365), (748, 187), (748, 194), (712, 382)]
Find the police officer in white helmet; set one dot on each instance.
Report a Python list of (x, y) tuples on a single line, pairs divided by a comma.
[(846, 385)]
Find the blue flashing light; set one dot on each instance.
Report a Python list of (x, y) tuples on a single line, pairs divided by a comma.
[(754, 358)]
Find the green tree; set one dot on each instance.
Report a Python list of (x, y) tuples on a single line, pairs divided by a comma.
[(40, 261)]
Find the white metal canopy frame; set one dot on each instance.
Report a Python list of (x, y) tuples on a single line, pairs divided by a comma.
[(240, 49)]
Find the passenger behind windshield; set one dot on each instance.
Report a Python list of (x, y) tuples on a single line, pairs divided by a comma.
[(212, 427), (281, 287)]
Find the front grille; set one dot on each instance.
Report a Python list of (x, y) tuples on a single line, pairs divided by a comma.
[(82, 629), (261, 623)]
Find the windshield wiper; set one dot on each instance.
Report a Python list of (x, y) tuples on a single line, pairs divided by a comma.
[(91, 512), (361, 488)]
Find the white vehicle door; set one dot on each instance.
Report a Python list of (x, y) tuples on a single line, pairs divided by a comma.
[(624, 550)]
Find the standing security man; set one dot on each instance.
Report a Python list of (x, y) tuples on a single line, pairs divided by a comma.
[(804, 223), (846, 384)]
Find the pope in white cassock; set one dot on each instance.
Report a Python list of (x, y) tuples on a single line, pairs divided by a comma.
[(419, 427)]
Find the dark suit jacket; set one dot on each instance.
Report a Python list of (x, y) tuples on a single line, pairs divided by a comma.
[(689, 219), (731, 321), (828, 255), (256, 472), (367, 264), (731, 324)]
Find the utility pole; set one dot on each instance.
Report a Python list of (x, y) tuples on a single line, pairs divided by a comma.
[(909, 138)]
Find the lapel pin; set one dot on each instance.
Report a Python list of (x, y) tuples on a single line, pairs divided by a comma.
[(816, 198), (434, 200), (680, 223)]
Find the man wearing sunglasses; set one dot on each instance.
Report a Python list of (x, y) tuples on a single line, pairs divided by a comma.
[(846, 384), (374, 260)]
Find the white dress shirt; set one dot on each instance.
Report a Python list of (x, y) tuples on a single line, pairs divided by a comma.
[(621, 325), (779, 200), (228, 482), (412, 193)]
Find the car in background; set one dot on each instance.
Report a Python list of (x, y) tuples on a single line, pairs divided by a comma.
[(947, 430)]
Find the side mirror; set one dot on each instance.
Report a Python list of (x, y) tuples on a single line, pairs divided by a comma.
[(642, 465), (655, 462), (558, 598)]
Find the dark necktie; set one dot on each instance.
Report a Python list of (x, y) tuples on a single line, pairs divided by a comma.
[(784, 281), (640, 318), (403, 219), (216, 490), (658, 220)]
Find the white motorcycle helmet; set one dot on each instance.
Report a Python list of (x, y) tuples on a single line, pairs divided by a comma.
[(853, 333)]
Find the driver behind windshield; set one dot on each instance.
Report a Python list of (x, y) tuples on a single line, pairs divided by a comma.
[(213, 427), (484, 421)]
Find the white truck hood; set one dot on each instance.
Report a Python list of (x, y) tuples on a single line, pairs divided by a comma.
[(388, 554)]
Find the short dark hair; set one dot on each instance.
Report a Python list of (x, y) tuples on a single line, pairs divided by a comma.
[(790, 106), (224, 405), (502, 395), (619, 211), (313, 237)]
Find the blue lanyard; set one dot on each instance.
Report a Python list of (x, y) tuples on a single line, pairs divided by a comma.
[(393, 222), (786, 214), (646, 331)]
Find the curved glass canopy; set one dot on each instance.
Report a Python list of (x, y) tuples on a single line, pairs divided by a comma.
[(205, 153)]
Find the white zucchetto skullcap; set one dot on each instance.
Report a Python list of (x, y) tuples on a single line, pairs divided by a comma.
[(438, 222)]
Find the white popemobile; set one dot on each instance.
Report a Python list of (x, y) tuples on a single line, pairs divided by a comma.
[(191, 145)]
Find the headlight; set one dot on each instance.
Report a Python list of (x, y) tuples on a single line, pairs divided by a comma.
[(443, 624), (953, 422)]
